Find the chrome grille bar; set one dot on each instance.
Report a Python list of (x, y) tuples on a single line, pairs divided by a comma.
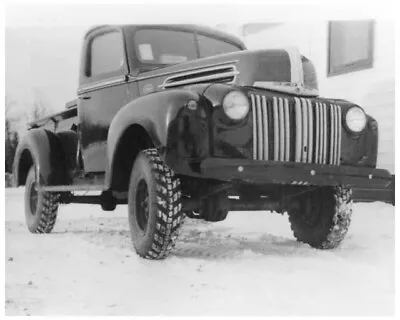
[(281, 113), (337, 134), (335, 159), (310, 131), (318, 133), (304, 145), (259, 132), (276, 129), (332, 133), (322, 129), (287, 130), (299, 129), (255, 134), (324, 133), (333, 121), (265, 126), (339, 143)]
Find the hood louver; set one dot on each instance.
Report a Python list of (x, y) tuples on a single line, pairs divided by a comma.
[(220, 74)]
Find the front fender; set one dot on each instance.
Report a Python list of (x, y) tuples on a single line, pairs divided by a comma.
[(46, 155), (153, 112)]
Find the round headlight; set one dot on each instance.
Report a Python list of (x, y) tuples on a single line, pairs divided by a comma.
[(356, 120), (236, 105)]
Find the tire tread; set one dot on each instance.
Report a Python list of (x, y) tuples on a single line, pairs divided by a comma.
[(48, 214), (169, 207), (338, 225), (44, 219)]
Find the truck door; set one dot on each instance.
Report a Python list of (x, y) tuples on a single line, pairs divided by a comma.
[(103, 91)]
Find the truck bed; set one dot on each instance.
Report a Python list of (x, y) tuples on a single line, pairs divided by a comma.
[(63, 120)]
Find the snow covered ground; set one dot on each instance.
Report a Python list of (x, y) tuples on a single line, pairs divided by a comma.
[(248, 264)]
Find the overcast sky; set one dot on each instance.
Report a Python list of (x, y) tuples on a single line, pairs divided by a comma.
[(43, 45)]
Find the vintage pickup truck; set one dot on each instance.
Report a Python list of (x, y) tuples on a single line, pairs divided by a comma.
[(182, 120)]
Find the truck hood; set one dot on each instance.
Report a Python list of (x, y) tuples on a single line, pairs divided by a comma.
[(282, 70)]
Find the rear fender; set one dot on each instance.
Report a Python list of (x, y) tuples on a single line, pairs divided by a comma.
[(43, 149)]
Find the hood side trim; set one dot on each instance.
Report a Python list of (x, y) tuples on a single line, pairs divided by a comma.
[(292, 88)]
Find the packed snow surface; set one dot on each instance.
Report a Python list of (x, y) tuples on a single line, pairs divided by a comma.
[(249, 264)]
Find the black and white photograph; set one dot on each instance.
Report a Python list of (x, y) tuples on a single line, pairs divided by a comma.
[(168, 159)]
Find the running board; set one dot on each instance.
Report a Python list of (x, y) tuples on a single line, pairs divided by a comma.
[(89, 187), (238, 205), (90, 182)]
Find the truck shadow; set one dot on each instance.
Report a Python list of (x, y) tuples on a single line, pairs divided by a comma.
[(215, 246), (195, 241)]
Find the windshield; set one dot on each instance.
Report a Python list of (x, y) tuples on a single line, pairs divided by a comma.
[(167, 47)]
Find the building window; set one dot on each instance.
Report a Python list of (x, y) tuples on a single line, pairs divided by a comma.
[(350, 46)]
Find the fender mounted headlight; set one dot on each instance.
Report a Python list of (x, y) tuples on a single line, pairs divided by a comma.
[(356, 119), (236, 105)]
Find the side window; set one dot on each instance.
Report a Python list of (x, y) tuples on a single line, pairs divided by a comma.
[(350, 46), (106, 54), (211, 47)]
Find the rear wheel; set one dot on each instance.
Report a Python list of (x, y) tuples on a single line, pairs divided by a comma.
[(41, 207), (154, 205), (322, 217)]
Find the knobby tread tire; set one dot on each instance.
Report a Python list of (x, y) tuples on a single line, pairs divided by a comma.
[(48, 214), (168, 212), (332, 227), (44, 219)]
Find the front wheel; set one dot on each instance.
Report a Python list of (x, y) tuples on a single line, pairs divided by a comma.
[(321, 217), (41, 207), (154, 205)]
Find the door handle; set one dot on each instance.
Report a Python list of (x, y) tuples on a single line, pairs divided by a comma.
[(85, 97)]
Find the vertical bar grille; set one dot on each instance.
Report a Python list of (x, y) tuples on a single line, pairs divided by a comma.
[(299, 130)]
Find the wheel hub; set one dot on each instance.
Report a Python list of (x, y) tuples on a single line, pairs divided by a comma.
[(142, 204), (311, 208), (33, 197)]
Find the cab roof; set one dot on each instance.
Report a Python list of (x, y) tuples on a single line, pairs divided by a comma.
[(184, 27)]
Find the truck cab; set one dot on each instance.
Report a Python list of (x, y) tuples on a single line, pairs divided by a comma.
[(118, 65)]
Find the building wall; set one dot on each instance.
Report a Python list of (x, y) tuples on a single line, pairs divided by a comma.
[(373, 88)]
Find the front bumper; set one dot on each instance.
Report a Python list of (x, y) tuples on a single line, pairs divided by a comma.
[(273, 172)]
